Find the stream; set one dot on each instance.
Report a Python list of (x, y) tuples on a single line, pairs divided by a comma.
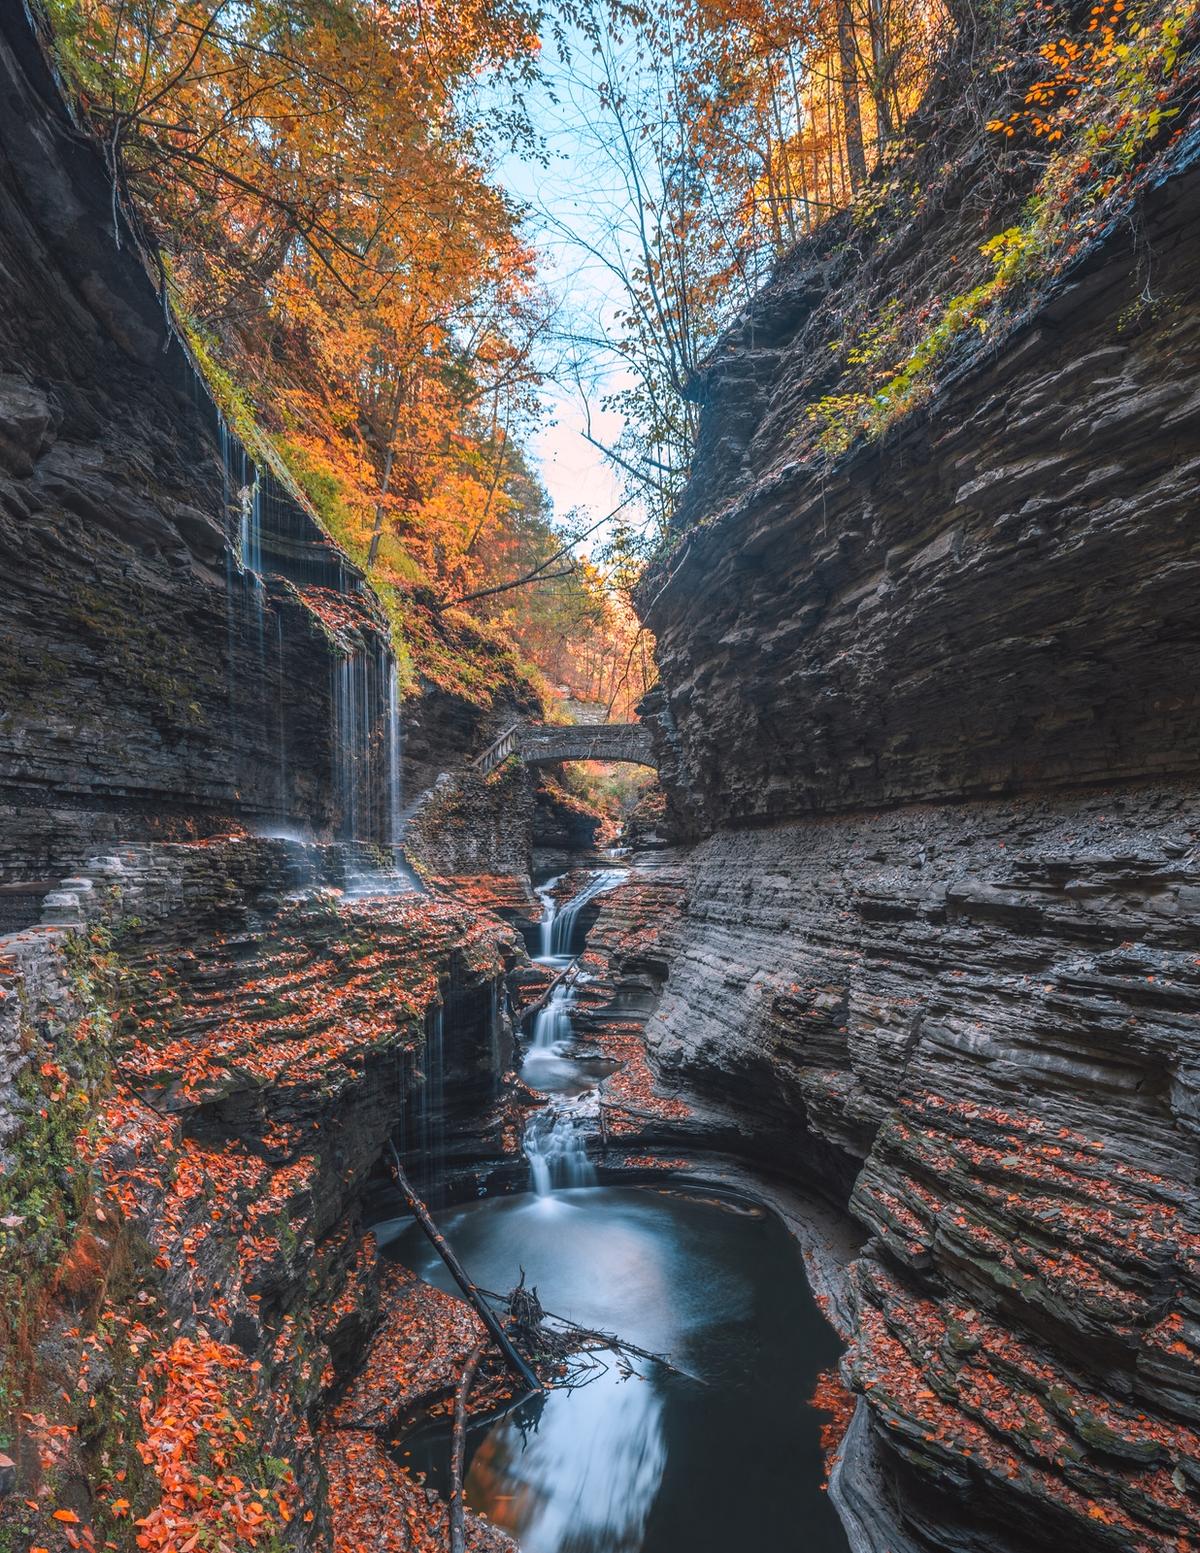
[(722, 1457)]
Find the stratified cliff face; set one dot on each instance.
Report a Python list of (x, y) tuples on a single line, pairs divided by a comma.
[(1001, 595), (932, 707), (225, 1043), (146, 679), (181, 646)]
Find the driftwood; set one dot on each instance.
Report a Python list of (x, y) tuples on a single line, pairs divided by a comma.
[(470, 1290), (458, 1452), (529, 1313), (540, 1003)]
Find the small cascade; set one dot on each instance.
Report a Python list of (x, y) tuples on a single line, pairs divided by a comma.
[(367, 746), (562, 922), (431, 1106), (395, 752), (555, 1147), (555, 1135), (281, 717), (549, 913), (349, 715), (250, 527), (552, 1025)]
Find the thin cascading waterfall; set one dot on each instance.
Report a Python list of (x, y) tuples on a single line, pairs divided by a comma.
[(552, 1024), (395, 752), (549, 913), (281, 718), (554, 1140), (356, 696), (345, 745), (563, 922), (368, 762), (555, 1137), (430, 1105), (246, 611), (556, 1150), (250, 527)]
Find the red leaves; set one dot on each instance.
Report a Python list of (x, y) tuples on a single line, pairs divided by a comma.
[(196, 1446), (966, 1386), (423, 1340), (375, 1504), (831, 1396)]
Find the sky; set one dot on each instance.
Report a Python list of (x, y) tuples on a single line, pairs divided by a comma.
[(568, 199)]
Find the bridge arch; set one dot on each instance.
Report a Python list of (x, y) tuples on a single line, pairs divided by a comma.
[(543, 744)]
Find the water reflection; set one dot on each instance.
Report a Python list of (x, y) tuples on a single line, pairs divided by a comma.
[(722, 1457)]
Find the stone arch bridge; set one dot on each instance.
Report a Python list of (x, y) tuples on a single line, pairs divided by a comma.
[(541, 744)]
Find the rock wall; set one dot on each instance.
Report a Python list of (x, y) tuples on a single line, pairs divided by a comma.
[(147, 681), (228, 1043), (1000, 596), (929, 711)]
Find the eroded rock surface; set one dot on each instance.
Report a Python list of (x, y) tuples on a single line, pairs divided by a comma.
[(226, 1042)]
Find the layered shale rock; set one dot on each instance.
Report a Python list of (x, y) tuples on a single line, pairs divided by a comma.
[(219, 1045), (182, 646), (928, 709), (148, 683)]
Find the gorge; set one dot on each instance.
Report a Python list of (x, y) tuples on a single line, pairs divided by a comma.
[(857, 1091)]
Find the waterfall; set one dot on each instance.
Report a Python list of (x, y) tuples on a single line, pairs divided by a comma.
[(553, 1021), (395, 774), (431, 1105), (367, 746), (250, 527), (281, 717), (267, 530), (554, 1147), (562, 923), (549, 912), (554, 1141), (349, 713)]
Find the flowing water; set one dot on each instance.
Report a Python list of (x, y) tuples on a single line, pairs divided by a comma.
[(555, 1145), (720, 1459), (723, 1456), (560, 923)]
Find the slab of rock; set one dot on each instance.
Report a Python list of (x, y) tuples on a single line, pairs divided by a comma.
[(416, 1356)]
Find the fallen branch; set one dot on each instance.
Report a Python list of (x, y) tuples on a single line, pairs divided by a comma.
[(528, 1310), (458, 1451), (629, 1110), (537, 1006), (470, 1290)]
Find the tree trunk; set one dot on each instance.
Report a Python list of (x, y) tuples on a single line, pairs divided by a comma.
[(881, 73), (852, 111), (377, 531), (458, 1453)]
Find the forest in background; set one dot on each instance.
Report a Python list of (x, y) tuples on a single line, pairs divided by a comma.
[(316, 181)]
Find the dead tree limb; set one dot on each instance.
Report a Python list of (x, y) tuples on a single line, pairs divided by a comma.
[(458, 1451), (585, 1338), (568, 973), (470, 1291)]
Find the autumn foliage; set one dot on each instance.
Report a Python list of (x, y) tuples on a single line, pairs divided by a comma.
[(312, 182)]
